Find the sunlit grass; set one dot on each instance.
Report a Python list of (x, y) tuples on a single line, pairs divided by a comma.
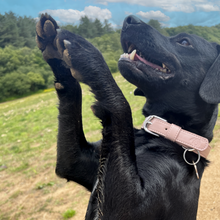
[(28, 133), (28, 126)]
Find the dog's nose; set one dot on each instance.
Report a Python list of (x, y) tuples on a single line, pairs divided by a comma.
[(133, 20), (130, 20)]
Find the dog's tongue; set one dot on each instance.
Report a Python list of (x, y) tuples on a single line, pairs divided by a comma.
[(136, 57)]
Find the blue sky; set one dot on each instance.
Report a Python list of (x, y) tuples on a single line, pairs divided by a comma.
[(169, 13)]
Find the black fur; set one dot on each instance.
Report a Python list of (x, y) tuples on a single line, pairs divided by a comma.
[(133, 174)]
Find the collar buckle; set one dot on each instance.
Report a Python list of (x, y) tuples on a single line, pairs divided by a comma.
[(148, 121)]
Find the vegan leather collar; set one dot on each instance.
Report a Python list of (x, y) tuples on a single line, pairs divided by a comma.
[(188, 140)]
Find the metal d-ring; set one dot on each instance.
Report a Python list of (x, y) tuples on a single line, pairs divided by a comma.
[(184, 156)]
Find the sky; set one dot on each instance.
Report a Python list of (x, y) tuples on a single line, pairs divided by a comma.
[(170, 13)]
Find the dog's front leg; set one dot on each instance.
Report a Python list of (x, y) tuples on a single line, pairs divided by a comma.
[(119, 186), (77, 160)]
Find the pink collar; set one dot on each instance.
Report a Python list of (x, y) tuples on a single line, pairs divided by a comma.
[(158, 126)]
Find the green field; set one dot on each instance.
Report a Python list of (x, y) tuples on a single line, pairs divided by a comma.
[(28, 130), (29, 125), (29, 188)]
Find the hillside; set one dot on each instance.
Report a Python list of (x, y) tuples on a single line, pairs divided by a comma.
[(29, 188)]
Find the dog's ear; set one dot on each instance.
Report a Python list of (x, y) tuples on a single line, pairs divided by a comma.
[(210, 87), (138, 92)]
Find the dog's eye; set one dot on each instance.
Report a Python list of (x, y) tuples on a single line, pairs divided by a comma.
[(184, 42)]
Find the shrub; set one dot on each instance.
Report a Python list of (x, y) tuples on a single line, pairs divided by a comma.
[(14, 84), (113, 66), (69, 213)]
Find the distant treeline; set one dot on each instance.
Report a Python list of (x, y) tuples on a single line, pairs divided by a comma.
[(90, 29), (20, 31), (22, 68), (17, 31)]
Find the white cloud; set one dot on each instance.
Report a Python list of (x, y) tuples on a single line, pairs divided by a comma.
[(101, 2), (187, 6), (71, 16), (128, 13), (180, 7), (156, 15), (207, 7), (37, 19), (96, 12)]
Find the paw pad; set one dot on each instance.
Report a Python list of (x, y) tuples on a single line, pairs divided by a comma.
[(49, 29), (59, 86)]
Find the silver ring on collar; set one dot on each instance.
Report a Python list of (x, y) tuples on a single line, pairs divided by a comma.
[(184, 156)]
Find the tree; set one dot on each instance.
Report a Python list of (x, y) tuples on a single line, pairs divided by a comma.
[(113, 66), (8, 33), (36, 80), (98, 28), (26, 28), (156, 24), (13, 84), (17, 31), (85, 27), (107, 27), (70, 27)]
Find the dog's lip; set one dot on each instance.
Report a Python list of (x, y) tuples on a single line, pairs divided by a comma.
[(146, 58), (135, 58)]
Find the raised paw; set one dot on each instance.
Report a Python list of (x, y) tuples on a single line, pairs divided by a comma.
[(47, 29), (81, 57), (66, 86)]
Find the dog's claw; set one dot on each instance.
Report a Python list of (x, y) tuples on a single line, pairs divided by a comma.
[(66, 42)]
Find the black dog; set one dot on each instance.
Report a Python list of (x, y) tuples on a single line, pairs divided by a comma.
[(132, 173)]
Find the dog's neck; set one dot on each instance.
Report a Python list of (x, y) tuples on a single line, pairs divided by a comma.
[(202, 123)]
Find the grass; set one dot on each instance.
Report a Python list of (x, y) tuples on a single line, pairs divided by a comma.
[(69, 214), (28, 131), (28, 126), (29, 188), (43, 185)]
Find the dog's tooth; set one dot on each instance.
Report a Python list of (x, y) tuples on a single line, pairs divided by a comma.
[(132, 55), (164, 66)]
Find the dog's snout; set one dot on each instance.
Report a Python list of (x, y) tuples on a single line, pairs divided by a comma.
[(131, 20)]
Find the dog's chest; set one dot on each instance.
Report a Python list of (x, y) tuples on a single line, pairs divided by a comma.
[(95, 207)]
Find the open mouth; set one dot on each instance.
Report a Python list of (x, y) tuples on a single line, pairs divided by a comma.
[(136, 55)]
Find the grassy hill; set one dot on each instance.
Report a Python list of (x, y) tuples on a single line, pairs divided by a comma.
[(29, 188), (28, 130)]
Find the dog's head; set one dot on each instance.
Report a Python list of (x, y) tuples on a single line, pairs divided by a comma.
[(182, 72)]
